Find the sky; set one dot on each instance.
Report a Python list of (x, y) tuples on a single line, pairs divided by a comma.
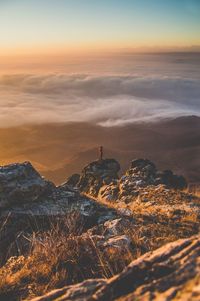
[(83, 60), (61, 26)]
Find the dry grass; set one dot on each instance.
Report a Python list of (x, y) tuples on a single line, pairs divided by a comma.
[(63, 255), (58, 257)]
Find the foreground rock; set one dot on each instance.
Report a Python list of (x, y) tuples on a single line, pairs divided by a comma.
[(22, 183), (29, 203), (112, 237), (169, 273)]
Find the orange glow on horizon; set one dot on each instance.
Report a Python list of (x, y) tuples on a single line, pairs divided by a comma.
[(95, 49)]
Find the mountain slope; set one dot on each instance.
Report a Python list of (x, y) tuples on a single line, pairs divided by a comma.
[(58, 150)]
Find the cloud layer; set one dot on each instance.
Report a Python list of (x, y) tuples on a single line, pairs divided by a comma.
[(106, 100)]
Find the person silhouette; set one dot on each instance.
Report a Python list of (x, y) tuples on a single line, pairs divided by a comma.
[(101, 153)]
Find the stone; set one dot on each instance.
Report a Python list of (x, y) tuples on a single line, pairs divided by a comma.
[(120, 244), (20, 183), (141, 175), (155, 275), (97, 174), (170, 180), (29, 203), (143, 164), (110, 237), (116, 227)]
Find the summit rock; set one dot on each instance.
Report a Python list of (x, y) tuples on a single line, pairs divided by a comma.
[(97, 174)]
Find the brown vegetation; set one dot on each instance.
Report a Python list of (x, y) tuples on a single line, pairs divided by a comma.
[(65, 255)]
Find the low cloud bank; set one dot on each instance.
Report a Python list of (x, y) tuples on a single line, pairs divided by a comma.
[(105, 100)]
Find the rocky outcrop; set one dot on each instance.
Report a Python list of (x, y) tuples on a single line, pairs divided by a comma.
[(29, 203), (22, 183), (169, 273), (141, 174), (97, 174), (144, 215)]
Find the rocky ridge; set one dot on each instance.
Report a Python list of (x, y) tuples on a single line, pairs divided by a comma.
[(100, 179), (120, 215)]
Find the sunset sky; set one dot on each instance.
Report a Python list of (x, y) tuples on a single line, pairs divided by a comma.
[(82, 60), (58, 26)]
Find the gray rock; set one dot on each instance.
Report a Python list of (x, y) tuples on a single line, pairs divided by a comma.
[(24, 219), (97, 174), (100, 180), (29, 203), (20, 183), (120, 244), (116, 227), (143, 173)]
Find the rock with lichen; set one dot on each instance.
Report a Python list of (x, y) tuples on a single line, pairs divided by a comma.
[(141, 174), (97, 174), (21, 183)]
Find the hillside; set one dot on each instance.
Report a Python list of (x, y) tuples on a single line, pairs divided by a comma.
[(97, 236), (59, 150)]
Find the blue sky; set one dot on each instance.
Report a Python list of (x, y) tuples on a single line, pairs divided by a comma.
[(85, 24)]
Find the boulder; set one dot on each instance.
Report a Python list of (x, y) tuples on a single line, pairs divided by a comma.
[(143, 164), (29, 203), (116, 226), (120, 244), (143, 173), (61, 207), (20, 183), (97, 174), (112, 237), (170, 180)]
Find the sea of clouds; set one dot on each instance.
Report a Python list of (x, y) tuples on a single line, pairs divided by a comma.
[(103, 99)]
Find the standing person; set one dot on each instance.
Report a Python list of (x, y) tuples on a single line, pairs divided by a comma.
[(101, 153)]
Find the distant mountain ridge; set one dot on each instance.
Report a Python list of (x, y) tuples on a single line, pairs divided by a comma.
[(58, 150)]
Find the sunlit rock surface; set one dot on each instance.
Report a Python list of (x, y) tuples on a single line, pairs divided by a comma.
[(141, 174), (97, 174)]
